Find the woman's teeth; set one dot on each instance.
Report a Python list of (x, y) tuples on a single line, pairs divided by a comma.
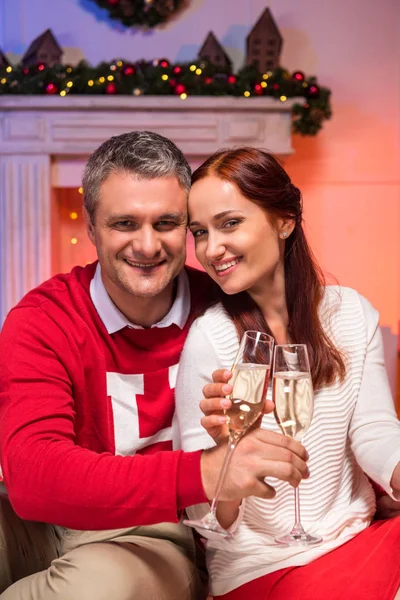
[(226, 265)]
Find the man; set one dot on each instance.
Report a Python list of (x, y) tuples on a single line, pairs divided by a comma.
[(88, 362)]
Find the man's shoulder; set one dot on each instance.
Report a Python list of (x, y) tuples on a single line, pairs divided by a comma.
[(60, 290)]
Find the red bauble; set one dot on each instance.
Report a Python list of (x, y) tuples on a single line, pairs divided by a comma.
[(164, 63), (208, 80), (276, 86), (298, 76), (313, 91), (258, 89), (172, 82), (111, 88), (41, 67), (112, 2), (180, 89), (231, 79), (177, 70), (26, 71), (128, 70), (51, 89)]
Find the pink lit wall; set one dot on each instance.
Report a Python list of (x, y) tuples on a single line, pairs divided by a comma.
[(349, 173)]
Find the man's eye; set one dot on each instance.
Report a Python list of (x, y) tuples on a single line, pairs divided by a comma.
[(166, 224), (123, 224)]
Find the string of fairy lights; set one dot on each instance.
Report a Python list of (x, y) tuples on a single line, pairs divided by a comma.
[(160, 77), (74, 216)]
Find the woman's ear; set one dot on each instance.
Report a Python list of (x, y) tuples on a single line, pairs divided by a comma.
[(285, 227)]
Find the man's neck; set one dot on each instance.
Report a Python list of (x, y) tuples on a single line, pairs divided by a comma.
[(143, 311)]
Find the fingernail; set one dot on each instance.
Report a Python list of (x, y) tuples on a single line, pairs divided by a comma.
[(227, 374), (223, 420), (225, 403), (227, 389)]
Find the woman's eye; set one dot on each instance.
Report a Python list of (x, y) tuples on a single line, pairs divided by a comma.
[(231, 223), (198, 232)]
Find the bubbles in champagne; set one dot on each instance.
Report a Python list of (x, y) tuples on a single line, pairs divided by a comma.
[(250, 382), (293, 398)]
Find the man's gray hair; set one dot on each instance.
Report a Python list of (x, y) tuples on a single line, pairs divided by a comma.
[(146, 154)]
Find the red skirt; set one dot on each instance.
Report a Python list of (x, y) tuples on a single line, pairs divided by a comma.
[(365, 568)]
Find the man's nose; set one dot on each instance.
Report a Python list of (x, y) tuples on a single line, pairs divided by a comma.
[(146, 242)]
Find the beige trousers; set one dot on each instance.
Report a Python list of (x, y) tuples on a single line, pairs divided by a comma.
[(142, 563)]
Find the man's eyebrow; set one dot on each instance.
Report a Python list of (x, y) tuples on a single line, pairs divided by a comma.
[(174, 216), (171, 216), (216, 217), (117, 217)]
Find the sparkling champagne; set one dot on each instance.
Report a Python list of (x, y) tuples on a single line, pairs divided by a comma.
[(293, 398), (250, 383)]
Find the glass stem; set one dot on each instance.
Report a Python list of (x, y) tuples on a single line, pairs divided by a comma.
[(232, 443), (297, 527)]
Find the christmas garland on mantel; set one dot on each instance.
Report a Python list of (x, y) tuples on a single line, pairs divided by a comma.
[(160, 77), (141, 13)]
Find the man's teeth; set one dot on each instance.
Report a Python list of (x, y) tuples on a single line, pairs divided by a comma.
[(141, 265), (226, 265)]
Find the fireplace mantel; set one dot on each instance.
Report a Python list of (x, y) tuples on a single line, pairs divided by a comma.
[(42, 136), (199, 125)]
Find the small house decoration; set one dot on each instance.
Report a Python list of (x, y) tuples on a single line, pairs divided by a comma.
[(213, 52), (44, 49), (3, 60), (264, 43)]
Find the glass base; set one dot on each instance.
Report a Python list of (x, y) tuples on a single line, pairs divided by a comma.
[(208, 523), (298, 539)]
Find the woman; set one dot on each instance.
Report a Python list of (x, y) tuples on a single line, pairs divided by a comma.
[(246, 219)]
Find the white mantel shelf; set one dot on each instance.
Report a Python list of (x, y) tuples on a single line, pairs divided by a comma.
[(198, 125), (45, 141)]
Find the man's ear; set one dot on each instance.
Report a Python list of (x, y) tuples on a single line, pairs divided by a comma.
[(89, 225)]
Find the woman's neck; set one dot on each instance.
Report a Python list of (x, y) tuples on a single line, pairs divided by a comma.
[(270, 296)]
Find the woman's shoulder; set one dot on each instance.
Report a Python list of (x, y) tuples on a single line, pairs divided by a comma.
[(216, 325), (214, 317), (343, 308), (345, 299)]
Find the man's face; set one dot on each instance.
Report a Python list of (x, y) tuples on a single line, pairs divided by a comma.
[(139, 232)]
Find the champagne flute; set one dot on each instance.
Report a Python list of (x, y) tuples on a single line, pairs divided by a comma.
[(250, 376), (293, 398)]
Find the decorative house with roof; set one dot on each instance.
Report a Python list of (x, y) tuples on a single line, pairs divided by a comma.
[(44, 49), (213, 52), (264, 43)]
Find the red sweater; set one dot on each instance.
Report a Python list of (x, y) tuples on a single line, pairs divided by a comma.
[(56, 420)]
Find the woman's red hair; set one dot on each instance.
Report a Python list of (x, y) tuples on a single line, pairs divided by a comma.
[(260, 178)]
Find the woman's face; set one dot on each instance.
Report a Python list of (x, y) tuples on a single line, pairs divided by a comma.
[(235, 240)]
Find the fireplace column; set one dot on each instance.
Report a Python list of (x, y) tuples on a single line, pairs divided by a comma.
[(25, 236)]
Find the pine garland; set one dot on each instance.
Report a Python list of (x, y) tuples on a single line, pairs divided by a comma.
[(141, 13), (159, 77)]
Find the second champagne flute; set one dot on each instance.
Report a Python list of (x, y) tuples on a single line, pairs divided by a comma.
[(250, 376), (294, 402)]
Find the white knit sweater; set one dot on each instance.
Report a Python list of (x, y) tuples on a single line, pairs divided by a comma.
[(354, 430)]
